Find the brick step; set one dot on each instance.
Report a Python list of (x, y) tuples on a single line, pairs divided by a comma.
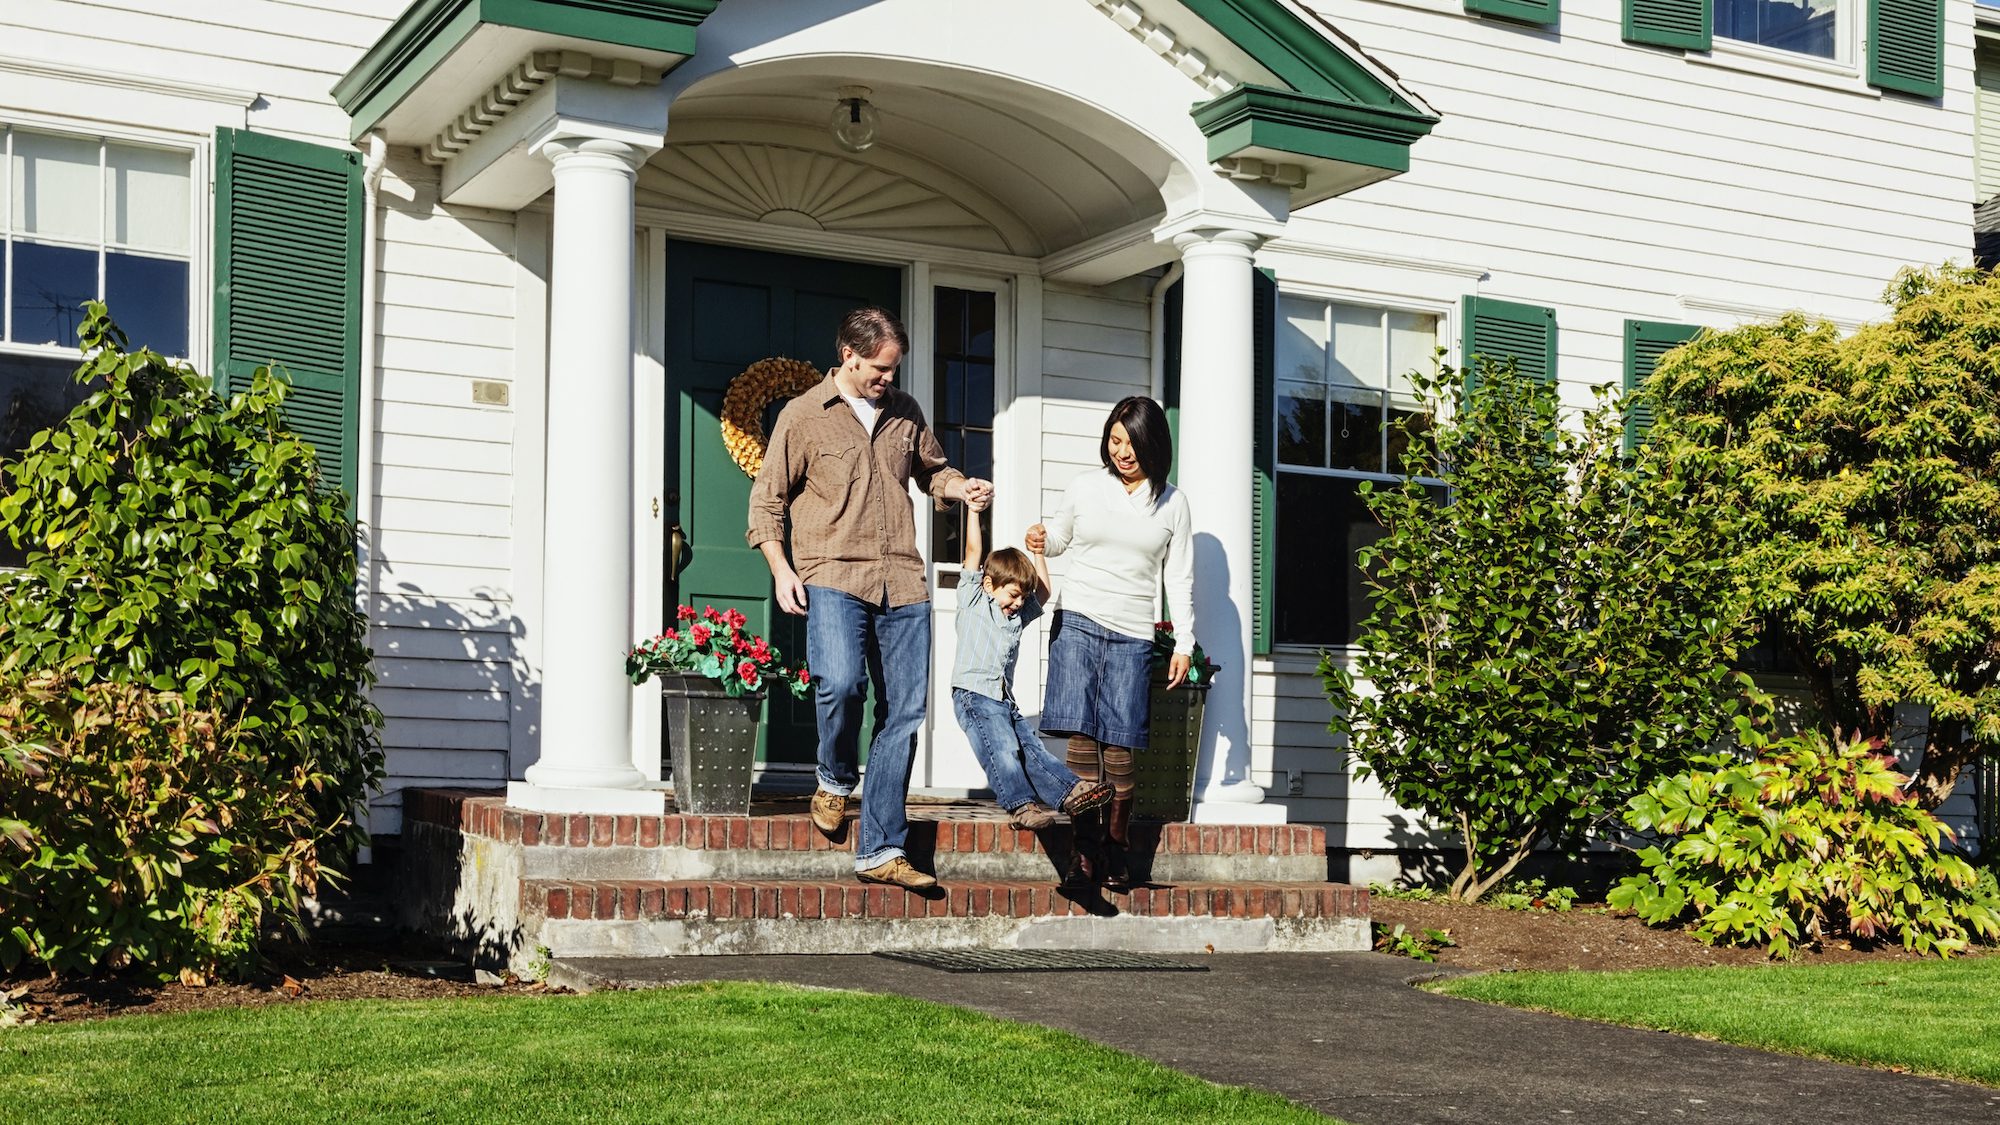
[(805, 900)]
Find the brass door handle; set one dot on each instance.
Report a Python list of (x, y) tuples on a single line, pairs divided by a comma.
[(676, 550)]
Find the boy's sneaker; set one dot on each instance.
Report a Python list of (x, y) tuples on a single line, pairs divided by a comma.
[(828, 811), (1033, 816), (1085, 796), (897, 872)]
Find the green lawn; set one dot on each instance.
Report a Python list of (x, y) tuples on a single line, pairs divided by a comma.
[(1931, 1017), (707, 1053)]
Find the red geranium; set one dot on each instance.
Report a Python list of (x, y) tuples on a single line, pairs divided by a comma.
[(714, 646)]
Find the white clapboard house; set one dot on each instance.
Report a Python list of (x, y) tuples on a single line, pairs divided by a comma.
[(513, 251)]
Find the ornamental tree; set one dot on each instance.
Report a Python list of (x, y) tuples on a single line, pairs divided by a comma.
[(1547, 639), (1869, 470)]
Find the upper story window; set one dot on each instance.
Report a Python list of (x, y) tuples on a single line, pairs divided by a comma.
[(1808, 27), (81, 218), (1342, 380), (87, 217)]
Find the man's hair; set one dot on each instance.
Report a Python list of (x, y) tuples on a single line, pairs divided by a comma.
[(1008, 566), (866, 329), (1152, 442)]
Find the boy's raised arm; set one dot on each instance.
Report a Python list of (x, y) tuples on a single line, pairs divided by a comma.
[(975, 539)]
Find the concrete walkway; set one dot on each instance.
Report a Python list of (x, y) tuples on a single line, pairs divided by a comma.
[(1345, 1034)]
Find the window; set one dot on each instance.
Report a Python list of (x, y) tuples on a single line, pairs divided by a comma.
[(84, 218), (962, 406), (1808, 27), (1341, 382)]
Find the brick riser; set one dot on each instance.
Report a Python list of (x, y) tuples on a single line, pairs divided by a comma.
[(506, 880)]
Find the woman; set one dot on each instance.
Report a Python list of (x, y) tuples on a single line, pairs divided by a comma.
[(1126, 531)]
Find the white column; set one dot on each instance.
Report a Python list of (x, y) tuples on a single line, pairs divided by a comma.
[(586, 755), (1216, 387)]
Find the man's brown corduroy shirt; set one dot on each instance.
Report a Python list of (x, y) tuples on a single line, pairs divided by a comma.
[(849, 493)]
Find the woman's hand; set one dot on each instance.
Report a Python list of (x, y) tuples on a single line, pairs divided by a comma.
[(1037, 539), (1177, 669)]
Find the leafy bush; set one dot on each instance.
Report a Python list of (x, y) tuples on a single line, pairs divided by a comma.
[(1533, 894), (1547, 642), (187, 545), (1869, 469), (156, 833), (1804, 839), (1401, 941)]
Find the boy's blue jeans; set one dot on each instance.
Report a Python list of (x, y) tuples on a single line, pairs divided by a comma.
[(849, 643), (1017, 764)]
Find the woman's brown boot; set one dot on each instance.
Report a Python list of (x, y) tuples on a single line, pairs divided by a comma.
[(1117, 865), (1086, 845)]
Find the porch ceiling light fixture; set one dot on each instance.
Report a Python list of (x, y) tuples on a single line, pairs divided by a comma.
[(854, 120)]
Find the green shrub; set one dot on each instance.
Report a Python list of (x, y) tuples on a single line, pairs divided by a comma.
[(156, 834), (187, 545), (1547, 642), (1802, 839)]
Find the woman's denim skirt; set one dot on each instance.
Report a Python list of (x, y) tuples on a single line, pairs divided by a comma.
[(1099, 682)]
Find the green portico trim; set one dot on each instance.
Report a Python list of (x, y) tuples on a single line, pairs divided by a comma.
[(428, 32), (1335, 107)]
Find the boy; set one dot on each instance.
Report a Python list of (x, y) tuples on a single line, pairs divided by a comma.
[(993, 608)]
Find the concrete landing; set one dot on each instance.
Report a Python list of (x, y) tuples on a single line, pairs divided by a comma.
[(1346, 1034)]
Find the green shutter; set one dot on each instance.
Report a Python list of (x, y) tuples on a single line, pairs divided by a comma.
[(1687, 24), (1263, 454), (1906, 46), (288, 283), (1170, 371), (1645, 342), (1543, 13), (1500, 330)]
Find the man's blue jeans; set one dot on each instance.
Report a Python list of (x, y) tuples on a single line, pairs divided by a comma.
[(848, 644), (1017, 764)]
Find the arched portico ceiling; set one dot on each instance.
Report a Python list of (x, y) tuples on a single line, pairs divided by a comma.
[(1275, 93)]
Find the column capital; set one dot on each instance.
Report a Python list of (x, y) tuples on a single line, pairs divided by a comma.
[(604, 152), (1218, 242)]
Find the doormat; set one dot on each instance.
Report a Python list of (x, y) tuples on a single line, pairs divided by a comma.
[(1040, 961)]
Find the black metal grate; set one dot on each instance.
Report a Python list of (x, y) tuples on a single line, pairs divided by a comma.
[(1041, 961)]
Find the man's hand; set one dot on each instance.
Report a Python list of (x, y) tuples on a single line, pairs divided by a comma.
[(791, 592), (1037, 539), (1177, 669), (976, 493)]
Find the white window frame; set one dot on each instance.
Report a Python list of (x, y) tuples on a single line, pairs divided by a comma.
[(200, 150), (1446, 314), (1848, 15)]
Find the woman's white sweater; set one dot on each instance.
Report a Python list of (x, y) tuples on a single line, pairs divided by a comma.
[(1120, 545)]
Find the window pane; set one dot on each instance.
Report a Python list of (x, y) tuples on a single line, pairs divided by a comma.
[(1301, 339), (951, 397), (979, 324), (55, 186), (148, 298), (1320, 597), (50, 285), (1355, 433), (1417, 433), (1805, 26), (1412, 347), (950, 306), (979, 395), (35, 393), (1357, 348), (146, 198), (1301, 424)]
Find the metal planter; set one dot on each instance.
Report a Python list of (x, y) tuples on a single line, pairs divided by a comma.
[(713, 740), (1164, 771)]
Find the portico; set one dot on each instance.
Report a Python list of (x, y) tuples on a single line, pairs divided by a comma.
[(1009, 157)]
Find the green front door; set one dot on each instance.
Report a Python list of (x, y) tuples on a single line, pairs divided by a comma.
[(726, 309)]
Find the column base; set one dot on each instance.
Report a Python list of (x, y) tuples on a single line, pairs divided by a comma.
[(1230, 804), (648, 801)]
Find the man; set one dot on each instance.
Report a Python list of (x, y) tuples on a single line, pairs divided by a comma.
[(839, 464)]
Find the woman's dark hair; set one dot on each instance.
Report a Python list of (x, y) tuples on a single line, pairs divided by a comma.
[(1153, 443), (866, 329)]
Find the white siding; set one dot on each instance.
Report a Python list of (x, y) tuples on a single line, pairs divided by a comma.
[(443, 601), (289, 51)]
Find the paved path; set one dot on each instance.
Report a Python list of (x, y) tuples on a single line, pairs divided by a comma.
[(1346, 1034)]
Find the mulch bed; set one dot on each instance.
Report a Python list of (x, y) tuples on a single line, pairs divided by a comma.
[(1584, 937)]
